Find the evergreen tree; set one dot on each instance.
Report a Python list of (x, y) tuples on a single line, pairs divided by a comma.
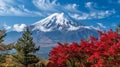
[(3, 47), (25, 48), (2, 35)]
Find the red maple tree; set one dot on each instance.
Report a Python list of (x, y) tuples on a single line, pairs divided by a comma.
[(104, 51)]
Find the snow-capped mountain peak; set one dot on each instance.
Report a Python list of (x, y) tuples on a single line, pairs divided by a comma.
[(56, 21)]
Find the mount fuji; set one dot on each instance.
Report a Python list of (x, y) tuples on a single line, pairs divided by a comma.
[(57, 27), (58, 21)]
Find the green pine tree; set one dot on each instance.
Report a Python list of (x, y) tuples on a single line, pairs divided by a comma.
[(2, 35), (3, 47), (25, 48)]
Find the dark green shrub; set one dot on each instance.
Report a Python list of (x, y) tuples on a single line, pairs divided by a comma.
[(41, 65)]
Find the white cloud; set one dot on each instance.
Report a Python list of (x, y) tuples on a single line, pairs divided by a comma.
[(45, 4), (13, 8), (84, 16), (102, 14), (47, 7), (101, 25), (92, 15), (19, 27), (6, 27), (71, 6), (89, 4), (93, 12)]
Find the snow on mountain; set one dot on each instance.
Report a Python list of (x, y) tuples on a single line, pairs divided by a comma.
[(57, 21)]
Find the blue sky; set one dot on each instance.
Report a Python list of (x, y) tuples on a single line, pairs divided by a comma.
[(101, 14)]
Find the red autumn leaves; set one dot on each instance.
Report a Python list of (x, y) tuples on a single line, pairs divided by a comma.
[(104, 51)]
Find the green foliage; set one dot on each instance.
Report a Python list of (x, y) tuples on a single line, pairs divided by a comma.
[(2, 58), (4, 47), (28, 59), (10, 46), (42, 65), (2, 35), (25, 44), (25, 48)]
